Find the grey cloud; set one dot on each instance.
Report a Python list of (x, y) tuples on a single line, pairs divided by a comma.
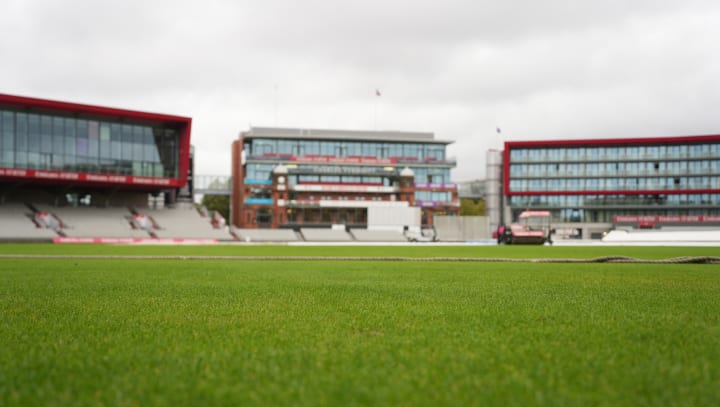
[(459, 68)]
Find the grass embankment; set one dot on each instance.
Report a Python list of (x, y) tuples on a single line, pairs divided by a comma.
[(366, 333)]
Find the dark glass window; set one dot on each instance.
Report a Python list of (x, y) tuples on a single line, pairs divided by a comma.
[(33, 133), (69, 127), (21, 138), (82, 147), (46, 134), (8, 131), (114, 132)]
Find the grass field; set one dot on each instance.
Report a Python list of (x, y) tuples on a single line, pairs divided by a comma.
[(169, 332)]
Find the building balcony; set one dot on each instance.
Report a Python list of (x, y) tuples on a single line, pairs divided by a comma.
[(615, 174), (350, 160), (259, 201), (436, 185), (319, 203), (377, 189), (617, 158), (430, 204)]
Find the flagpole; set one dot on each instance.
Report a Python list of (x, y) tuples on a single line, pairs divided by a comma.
[(275, 103), (377, 100)]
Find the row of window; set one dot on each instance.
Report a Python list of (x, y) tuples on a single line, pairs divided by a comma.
[(614, 200), (345, 148), (257, 194), (434, 175), (71, 163), (433, 196), (614, 184), (54, 142), (337, 179), (606, 216), (616, 153), (706, 167)]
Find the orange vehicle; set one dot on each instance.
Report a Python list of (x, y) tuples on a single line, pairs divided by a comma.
[(533, 227)]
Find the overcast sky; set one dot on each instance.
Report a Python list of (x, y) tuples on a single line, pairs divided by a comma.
[(549, 69)]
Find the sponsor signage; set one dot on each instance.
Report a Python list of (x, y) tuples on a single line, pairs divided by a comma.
[(343, 170), (325, 159), (666, 219), (128, 240), (90, 178), (259, 201), (357, 160)]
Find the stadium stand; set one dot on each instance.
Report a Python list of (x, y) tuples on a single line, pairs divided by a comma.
[(266, 235), (325, 235), (95, 222), (17, 224), (184, 222), (367, 235)]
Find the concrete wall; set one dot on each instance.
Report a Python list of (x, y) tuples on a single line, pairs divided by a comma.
[(393, 218), (462, 228), (578, 230)]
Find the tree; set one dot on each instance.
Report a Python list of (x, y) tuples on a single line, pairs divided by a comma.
[(220, 203), (472, 207)]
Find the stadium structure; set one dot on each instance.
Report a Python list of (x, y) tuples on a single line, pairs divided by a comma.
[(593, 186), (79, 172), (305, 179)]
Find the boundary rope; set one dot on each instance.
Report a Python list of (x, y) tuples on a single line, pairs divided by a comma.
[(604, 259)]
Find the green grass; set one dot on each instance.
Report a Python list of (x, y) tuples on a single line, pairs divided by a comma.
[(169, 332), (418, 250)]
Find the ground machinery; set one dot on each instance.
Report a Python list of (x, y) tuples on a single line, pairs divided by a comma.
[(533, 227)]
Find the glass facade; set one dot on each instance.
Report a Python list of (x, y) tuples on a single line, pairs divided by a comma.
[(433, 196), (405, 153), (668, 183), (349, 173), (695, 151), (616, 169), (595, 183), (336, 176), (61, 143), (656, 201), (409, 151)]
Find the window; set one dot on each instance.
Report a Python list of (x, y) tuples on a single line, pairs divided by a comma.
[(7, 131), (699, 150), (395, 150), (715, 150), (33, 133), (436, 152), (536, 154), (46, 134), (556, 184), (21, 132), (518, 155)]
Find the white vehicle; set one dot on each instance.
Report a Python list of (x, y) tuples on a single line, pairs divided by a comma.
[(424, 235)]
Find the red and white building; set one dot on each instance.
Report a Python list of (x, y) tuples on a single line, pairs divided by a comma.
[(591, 186), (64, 153), (291, 178)]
